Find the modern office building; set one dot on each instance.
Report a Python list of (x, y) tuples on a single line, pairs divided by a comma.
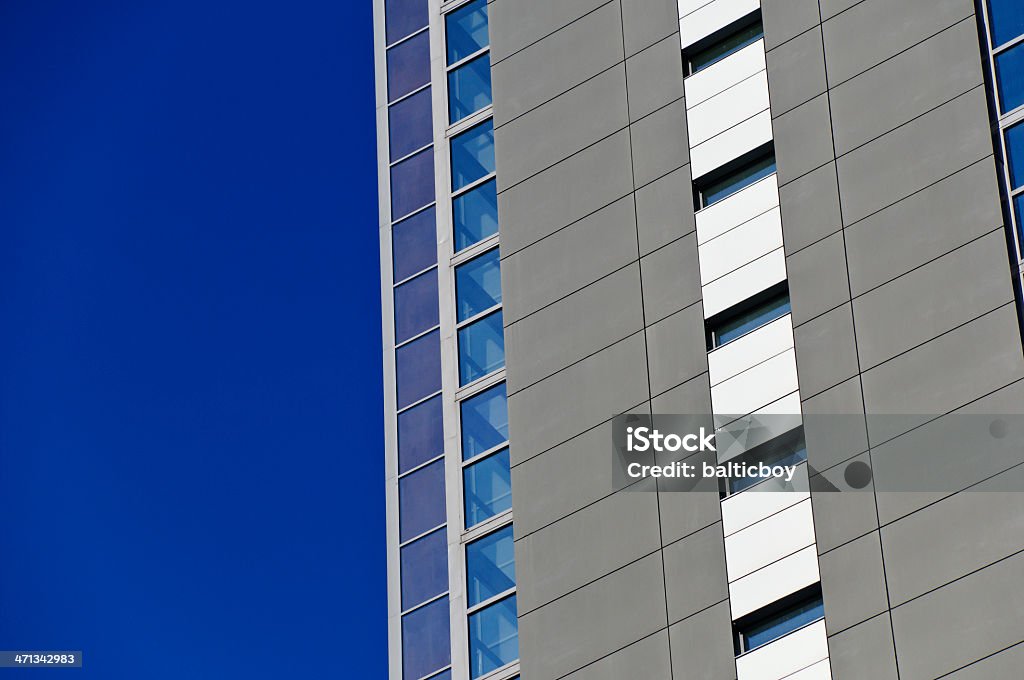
[(804, 208)]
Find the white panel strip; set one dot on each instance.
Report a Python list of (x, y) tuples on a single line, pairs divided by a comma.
[(794, 652), (761, 385), (731, 144), (788, 405), (819, 671), (687, 6), (713, 16), (772, 539), (751, 349), (774, 582), (741, 510), (746, 204), (724, 74), (727, 109), (748, 280), (741, 245)]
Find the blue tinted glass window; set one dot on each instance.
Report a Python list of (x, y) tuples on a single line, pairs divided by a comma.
[(475, 214), (421, 501), (466, 30), (412, 183), (403, 17), (424, 568), (420, 434), (447, 675), (1015, 154), (1018, 209), (408, 66), (493, 637), (733, 327), (782, 623), (487, 486), (418, 369), (1007, 17), (1010, 77), (484, 419), (416, 308), (414, 244), (426, 640), (472, 155), (469, 88), (410, 125), (490, 566), (789, 449), (478, 285), (481, 348), (722, 49), (740, 179)]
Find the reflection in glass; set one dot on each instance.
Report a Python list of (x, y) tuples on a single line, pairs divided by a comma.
[(472, 154), (466, 30), (469, 88), (487, 486), (426, 639), (490, 566), (481, 348), (424, 568), (484, 419), (475, 214), (493, 637), (478, 285), (421, 501)]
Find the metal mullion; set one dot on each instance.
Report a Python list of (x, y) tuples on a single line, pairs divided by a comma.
[(486, 527), (1006, 46), (418, 336), (418, 402), (402, 218), (411, 154), (409, 278), (465, 60), (435, 598), (486, 454), (481, 384), (425, 533), (477, 317), (422, 465), (407, 37), (473, 185), (409, 94), (474, 251), (495, 599)]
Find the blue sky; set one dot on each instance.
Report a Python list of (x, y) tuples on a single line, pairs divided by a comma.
[(191, 468)]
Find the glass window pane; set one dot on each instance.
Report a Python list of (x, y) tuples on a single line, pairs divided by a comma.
[(484, 419), (414, 244), (469, 88), (493, 637), (424, 568), (410, 125), (478, 285), (722, 49), (408, 65), (426, 640), (475, 214), (1010, 78), (1018, 209), (1007, 17), (466, 30), (782, 623), (1015, 154), (487, 486), (490, 566), (418, 369), (735, 181), (743, 323), (420, 434), (416, 307), (481, 348), (403, 17), (447, 675), (421, 501), (472, 154), (412, 183)]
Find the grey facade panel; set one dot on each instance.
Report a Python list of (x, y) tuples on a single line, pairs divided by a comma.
[(577, 326), (664, 210), (923, 226), (811, 206), (659, 143), (563, 126), (911, 83), (864, 652), (568, 259), (593, 622), (786, 19), (828, 354), (675, 349), (517, 24), (655, 76), (562, 194), (649, 658), (605, 536), (695, 576), (645, 23), (803, 139), (971, 618), (817, 278), (567, 57), (796, 69), (893, 27), (853, 583), (671, 278), (699, 650)]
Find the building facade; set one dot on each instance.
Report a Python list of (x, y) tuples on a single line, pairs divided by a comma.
[(723, 207)]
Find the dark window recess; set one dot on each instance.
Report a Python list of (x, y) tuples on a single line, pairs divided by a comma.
[(747, 316), (778, 619), (786, 449), (720, 45), (732, 178)]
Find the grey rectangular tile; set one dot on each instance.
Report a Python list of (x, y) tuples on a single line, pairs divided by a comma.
[(655, 77), (796, 71), (695, 576), (676, 350)]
